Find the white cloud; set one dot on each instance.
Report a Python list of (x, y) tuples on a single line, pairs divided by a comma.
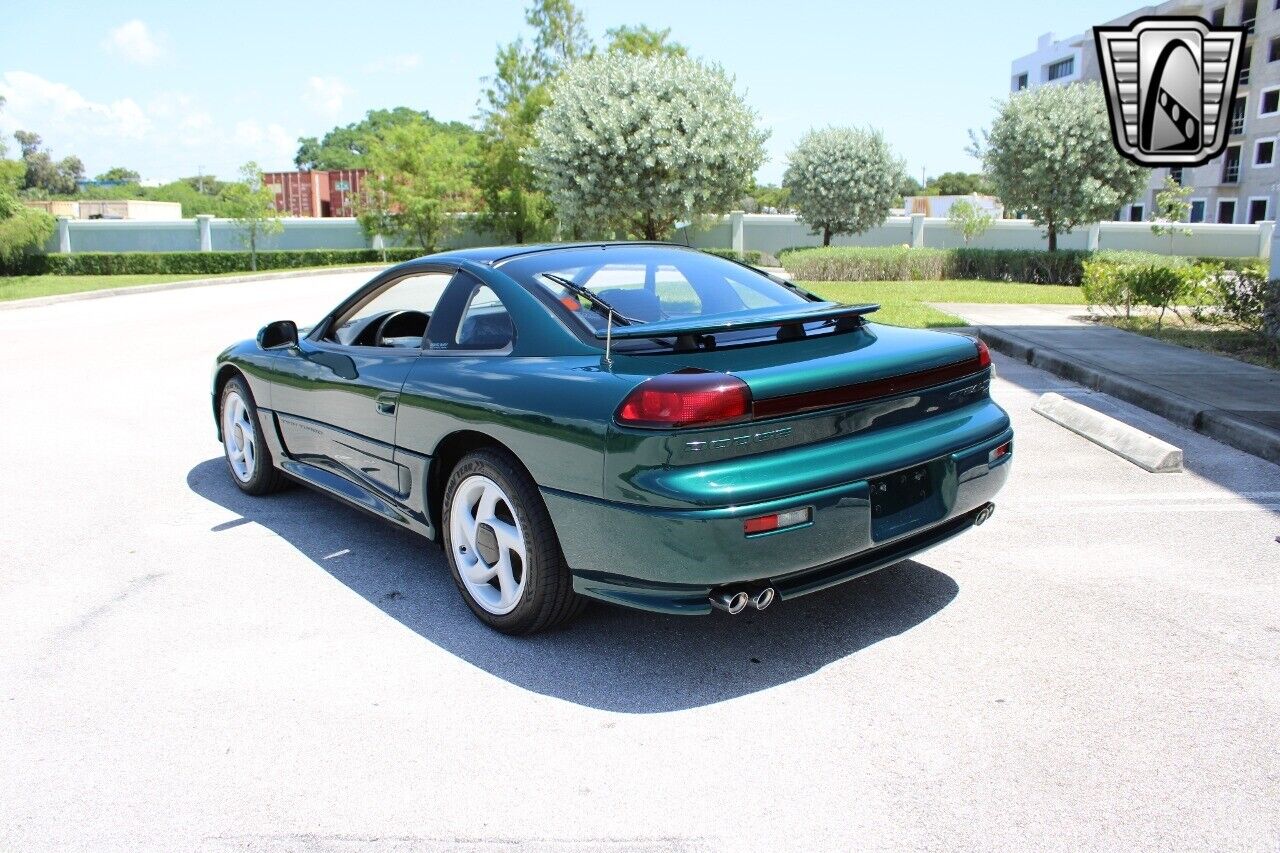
[(325, 95), (46, 106), (397, 64), (133, 42), (168, 135)]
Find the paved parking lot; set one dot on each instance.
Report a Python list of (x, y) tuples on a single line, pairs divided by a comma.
[(183, 667)]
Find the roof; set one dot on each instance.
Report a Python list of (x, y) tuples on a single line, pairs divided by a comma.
[(492, 255)]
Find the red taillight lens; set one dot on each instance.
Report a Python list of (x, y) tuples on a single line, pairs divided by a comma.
[(677, 400), (984, 355)]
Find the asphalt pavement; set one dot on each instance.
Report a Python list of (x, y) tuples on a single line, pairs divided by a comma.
[(186, 668)]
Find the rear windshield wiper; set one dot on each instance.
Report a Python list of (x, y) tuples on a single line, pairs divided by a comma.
[(597, 304)]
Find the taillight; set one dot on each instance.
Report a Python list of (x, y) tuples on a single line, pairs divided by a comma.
[(676, 400), (984, 355)]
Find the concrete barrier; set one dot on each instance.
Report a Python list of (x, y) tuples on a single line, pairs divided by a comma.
[(1145, 451)]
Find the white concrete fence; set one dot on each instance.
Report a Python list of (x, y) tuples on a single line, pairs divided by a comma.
[(774, 232), (741, 231)]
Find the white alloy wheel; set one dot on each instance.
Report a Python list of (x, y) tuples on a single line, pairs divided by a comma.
[(239, 437), (488, 544)]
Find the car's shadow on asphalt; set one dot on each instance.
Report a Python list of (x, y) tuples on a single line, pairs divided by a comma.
[(610, 658)]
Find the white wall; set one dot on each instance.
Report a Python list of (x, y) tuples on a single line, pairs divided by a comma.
[(774, 232)]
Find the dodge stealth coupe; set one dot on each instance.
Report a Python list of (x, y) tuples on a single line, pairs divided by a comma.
[(641, 423)]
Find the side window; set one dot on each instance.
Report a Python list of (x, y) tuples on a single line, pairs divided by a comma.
[(362, 325), (485, 322)]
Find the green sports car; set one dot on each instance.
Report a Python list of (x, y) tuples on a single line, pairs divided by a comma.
[(640, 423)]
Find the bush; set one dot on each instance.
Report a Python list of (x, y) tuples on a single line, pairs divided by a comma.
[(194, 263), (1235, 297), (900, 263), (748, 257)]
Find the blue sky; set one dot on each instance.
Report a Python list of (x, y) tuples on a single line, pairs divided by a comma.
[(169, 88)]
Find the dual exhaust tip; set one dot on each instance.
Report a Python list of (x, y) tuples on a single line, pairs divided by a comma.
[(734, 601), (983, 514)]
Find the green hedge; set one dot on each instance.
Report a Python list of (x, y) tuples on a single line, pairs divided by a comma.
[(751, 256), (900, 263), (197, 263)]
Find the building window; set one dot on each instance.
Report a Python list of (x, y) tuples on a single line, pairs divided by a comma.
[(1249, 15), (1196, 214), (1237, 116), (1273, 48), (1061, 68), (1270, 103), (1258, 209), (1020, 82), (1137, 212), (1231, 165), (1218, 16), (1176, 174), (1227, 211), (1264, 152), (1246, 59)]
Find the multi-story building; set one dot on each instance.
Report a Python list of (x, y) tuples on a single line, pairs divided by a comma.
[(1238, 186)]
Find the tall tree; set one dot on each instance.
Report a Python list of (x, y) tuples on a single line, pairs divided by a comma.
[(957, 183), (560, 35), (119, 174), (348, 147), (44, 176), (643, 41), (843, 180), (253, 207), (1049, 154), (21, 228), (418, 184), (639, 142)]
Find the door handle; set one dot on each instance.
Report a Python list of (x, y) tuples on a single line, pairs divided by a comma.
[(386, 403)]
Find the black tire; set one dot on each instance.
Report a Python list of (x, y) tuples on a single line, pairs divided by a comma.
[(547, 598), (263, 476)]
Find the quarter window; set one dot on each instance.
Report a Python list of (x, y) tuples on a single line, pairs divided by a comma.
[(486, 323)]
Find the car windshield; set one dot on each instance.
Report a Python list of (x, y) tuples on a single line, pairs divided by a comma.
[(646, 284)]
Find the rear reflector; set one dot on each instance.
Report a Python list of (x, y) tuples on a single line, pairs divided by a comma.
[(1000, 452), (777, 521), (686, 399)]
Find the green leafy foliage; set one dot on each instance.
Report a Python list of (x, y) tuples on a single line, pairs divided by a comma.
[(970, 220), (1049, 155), (900, 263), (643, 41), (194, 263), (253, 208), (348, 147), (43, 176), (635, 143), (843, 180), (956, 183), (120, 174), (419, 182)]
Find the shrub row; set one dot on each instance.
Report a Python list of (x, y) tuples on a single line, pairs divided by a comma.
[(901, 263), (1236, 293), (748, 257), (198, 263)]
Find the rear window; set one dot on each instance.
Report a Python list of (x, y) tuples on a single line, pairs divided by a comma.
[(648, 284)]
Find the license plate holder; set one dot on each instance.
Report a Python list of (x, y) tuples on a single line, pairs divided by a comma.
[(903, 500)]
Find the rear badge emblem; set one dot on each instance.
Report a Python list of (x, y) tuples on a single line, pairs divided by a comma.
[(737, 440)]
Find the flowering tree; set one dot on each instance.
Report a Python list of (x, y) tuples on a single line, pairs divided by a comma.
[(843, 180), (638, 142), (1049, 154)]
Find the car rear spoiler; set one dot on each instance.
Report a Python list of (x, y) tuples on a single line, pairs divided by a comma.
[(783, 315)]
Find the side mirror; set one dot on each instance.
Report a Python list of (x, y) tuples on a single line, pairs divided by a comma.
[(278, 334)]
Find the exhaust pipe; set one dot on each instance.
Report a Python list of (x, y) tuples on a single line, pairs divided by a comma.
[(983, 514), (730, 602), (762, 598)]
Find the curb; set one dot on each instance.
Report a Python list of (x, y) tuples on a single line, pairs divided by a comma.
[(1145, 451), (38, 301), (1207, 420)]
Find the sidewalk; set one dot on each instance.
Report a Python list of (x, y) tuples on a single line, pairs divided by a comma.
[(1231, 401)]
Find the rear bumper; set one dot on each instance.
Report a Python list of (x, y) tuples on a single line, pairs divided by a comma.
[(669, 560)]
